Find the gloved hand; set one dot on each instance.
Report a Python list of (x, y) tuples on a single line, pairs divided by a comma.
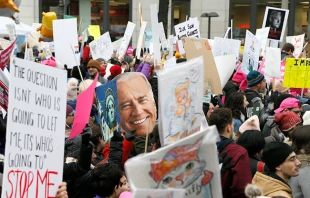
[(86, 134), (226, 162), (117, 137)]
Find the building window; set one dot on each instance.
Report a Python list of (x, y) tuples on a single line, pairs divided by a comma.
[(179, 10)]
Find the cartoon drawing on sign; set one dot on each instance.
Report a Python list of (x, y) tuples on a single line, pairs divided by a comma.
[(251, 53), (107, 105), (181, 167)]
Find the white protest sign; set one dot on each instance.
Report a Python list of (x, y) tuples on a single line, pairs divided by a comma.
[(155, 33), (126, 39), (181, 48), (11, 29), (162, 35), (273, 43), (188, 28), (225, 66), (170, 46), (117, 44), (262, 35), (298, 42), (227, 31), (170, 62), (66, 40), (102, 47), (140, 39), (273, 62), (251, 53), (33, 165), (222, 47)]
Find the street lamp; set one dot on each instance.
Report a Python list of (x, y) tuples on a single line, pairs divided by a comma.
[(209, 15)]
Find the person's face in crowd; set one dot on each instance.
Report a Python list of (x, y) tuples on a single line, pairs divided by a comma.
[(111, 110), (296, 110), (92, 71), (137, 106), (123, 186), (290, 167), (245, 102), (70, 119), (275, 20), (231, 132), (262, 86)]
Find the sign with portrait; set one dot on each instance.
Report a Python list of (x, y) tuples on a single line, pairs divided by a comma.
[(251, 53), (276, 19)]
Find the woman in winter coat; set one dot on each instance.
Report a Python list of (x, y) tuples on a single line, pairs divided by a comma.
[(145, 66), (237, 103), (301, 144)]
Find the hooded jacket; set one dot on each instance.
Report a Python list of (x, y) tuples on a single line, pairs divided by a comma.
[(230, 88), (300, 184), (272, 185)]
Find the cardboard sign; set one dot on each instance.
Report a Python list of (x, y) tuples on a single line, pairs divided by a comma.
[(126, 39), (84, 103), (273, 62), (223, 47), (4, 91), (298, 42), (180, 118), (162, 35), (163, 168), (196, 47), (276, 19), (140, 39), (94, 30), (33, 165), (188, 28), (102, 47), (251, 53), (155, 32), (108, 109), (66, 42), (262, 35), (225, 66), (296, 73), (5, 54)]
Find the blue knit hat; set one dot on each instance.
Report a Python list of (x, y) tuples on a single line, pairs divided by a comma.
[(254, 77)]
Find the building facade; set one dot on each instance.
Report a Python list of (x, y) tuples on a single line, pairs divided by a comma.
[(113, 15)]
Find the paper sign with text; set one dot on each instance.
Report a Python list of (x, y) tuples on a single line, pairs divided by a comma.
[(188, 28), (251, 53), (126, 39), (298, 42), (223, 47), (102, 47), (297, 72), (33, 165)]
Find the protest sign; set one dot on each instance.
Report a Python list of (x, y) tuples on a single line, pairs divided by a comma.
[(94, 30), (33, 165), (223, 46), (11, 31), (298, 42), (162, 35), (262, 69), (273, 62), (276, 19), (4, 91), (170, 46), (140, 39), (102, 47), (159, 193), (5, 54), (126, 39), (262, 35), (180, 118), (84, 103), (117, 44), (273, 43), (155, 32), (147, 38), (296, 73), (196, 47), (251, 53), (150, 171), (188, 28), (227, 32), (170, 62), (108, 109), (66, 42), (225, 66)]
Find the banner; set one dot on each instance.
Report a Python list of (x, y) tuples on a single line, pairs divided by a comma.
[(5, 54), (262, 35), (102, 47), (34, 155), (126, 39), (223, 46), (276, 19), (251, 53), (296, 73), (66, 42), (298, 42)]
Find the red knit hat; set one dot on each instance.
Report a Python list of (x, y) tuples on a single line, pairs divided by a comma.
[(239, 76), (115, 70), (102, 71), (243, 85), (287, 120)]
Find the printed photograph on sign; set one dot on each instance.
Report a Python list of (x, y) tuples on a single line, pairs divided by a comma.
[(180, 100), (276, 19), (108, 109), (190, 164)]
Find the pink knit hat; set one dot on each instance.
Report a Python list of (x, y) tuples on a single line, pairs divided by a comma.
[(50, 63), (250, 124), (288, 103), (239, 76), (129, 51)]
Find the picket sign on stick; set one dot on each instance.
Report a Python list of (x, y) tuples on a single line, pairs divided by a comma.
[(78, 68), (231, 31), (140, 39), (155, 38), (126, 39)]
